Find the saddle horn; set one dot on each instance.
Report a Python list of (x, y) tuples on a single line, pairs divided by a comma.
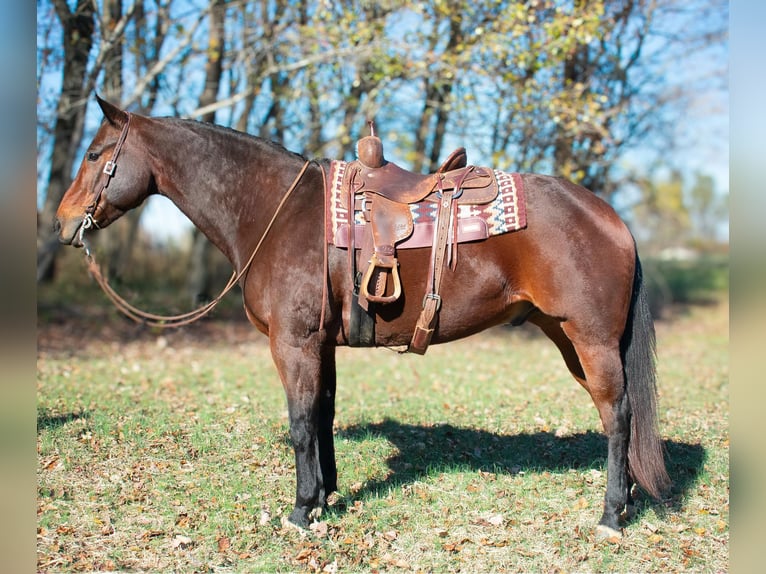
[(369, 149)]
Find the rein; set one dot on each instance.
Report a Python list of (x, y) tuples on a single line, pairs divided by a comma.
[(168, 321)]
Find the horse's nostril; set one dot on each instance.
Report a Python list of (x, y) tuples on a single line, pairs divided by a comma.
[(56, 225)]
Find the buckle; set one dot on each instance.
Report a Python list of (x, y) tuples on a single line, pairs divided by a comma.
[(110, 167), (433, 297)]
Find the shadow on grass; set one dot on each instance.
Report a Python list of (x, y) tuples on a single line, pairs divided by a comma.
[(48, 421), (425, 450)]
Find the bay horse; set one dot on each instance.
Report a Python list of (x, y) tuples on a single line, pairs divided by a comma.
[(573, 271)]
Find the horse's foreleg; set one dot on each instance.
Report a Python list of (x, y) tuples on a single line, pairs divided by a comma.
[(325, 421), (304, 375)]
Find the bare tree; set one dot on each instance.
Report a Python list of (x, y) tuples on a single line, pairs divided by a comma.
[(78, 26), (199, 271)]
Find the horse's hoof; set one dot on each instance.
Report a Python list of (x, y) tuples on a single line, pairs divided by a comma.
[(607, 534), (297, 520)]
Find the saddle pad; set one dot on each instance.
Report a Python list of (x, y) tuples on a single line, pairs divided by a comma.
[(505, 214)]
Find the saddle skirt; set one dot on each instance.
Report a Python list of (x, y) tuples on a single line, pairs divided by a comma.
[(476, 221)]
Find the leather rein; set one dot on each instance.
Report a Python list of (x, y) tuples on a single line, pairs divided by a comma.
[(168, 321)]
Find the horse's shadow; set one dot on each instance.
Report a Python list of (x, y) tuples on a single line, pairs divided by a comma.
[(48, 421), (422, 450)]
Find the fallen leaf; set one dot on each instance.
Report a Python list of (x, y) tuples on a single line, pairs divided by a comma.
[(54, 463), (304, 554), (223, 544), (456, 546), (181, 541), (581, 504), (319, 528)]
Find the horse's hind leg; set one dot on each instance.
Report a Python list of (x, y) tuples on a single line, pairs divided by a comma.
[(598, 368), (604, 380)]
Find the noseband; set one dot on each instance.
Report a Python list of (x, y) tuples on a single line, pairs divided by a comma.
[(106, 176)]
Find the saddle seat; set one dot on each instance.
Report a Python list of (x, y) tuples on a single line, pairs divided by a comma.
[(403, 186)]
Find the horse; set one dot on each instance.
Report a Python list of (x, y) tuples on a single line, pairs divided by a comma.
[(574, 272)]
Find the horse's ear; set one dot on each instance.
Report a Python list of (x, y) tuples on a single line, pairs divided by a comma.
[(112, 113)]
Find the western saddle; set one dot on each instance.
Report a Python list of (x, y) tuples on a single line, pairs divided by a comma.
[(384, 192)]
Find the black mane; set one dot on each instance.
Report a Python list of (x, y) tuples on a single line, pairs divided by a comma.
[(224, 131)]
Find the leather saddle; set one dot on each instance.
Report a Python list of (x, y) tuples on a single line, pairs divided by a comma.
[(383, 192)]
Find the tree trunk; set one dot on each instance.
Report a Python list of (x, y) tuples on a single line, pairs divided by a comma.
[(198, 282), (78, 27), (435, 114)]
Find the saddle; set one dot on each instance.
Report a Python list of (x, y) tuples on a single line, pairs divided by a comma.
[(384, 192)]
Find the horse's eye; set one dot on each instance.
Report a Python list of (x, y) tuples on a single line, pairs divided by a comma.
[(92, 156)]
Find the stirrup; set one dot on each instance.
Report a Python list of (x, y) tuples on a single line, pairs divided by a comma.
[(376, 263)]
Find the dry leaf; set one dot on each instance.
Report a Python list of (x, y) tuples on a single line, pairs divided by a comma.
[(581, 504), (650, 527), (304, 554), (456, 546), (54, 463), (181, 541), (319, 528), (223, 544)]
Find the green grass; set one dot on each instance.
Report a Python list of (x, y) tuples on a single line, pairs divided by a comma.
[(170, 452)]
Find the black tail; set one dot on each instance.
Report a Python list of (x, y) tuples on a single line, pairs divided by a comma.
[(646, 462)]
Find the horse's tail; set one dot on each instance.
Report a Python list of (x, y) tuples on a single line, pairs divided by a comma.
[(646, 462)]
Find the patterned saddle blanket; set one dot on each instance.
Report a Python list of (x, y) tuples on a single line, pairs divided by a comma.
[(476, 222)]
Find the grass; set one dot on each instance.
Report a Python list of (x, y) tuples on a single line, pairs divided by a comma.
[(170, 452)]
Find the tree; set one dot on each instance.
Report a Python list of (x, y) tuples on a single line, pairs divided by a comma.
[(199, 275), (78, 26)]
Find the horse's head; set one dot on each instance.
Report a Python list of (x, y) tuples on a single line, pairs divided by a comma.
[(113, 178)]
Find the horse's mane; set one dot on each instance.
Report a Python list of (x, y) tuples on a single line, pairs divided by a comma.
[(227, 132)]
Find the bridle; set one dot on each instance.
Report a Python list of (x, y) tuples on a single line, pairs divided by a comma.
[(167, 321), (106, 176)]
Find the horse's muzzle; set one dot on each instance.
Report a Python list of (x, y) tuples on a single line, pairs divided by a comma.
[(69, 230)]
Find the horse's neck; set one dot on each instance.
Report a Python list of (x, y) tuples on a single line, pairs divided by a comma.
[(219, 188)]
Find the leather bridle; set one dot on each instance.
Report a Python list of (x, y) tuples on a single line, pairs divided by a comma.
[(166, 321), (105, 177)]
